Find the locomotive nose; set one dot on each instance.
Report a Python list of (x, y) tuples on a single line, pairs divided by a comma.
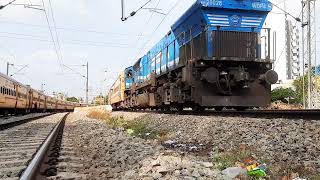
[(271, 77)]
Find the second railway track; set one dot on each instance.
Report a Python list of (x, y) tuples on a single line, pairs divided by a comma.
[(35, 150), (13, 121)]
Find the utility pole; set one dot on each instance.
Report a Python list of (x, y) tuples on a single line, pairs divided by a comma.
[(87, 84), (274, 48), (309, 53), (8, 64)]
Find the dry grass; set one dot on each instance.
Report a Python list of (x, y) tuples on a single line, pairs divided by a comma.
[(244, 156), (135, 127), (239, 157), (99, 115)]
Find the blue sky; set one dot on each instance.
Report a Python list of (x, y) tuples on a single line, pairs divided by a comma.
[(91, 31)]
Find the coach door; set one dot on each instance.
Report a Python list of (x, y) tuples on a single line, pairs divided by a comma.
[(2, 98), (29, 101)]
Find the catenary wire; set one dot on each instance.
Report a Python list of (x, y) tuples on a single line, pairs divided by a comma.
[(155, 30), (52, 37), (55, 29)]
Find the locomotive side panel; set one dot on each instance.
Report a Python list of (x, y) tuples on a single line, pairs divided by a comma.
[(210, 58)]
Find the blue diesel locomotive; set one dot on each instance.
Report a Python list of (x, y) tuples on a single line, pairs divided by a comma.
[(211, 58)]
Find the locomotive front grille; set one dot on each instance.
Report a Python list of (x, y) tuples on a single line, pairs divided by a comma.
[(235, 45)]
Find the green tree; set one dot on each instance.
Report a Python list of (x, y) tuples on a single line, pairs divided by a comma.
[(298, 85), (283, 95), (72, 99)]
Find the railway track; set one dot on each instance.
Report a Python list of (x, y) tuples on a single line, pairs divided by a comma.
[(8, 122), (290, 114), (37, 150)]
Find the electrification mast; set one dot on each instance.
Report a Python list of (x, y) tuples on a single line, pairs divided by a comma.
[(309, 53)]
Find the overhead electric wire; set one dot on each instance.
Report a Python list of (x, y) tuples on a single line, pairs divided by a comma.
[(287, 13), (74, 71), (73, 29), (72, 42), (23, 67), (55, 29), (55, 46), (282, 51), (8, 51), (147, 22), (135, 12), (155, 30), (3, 6)]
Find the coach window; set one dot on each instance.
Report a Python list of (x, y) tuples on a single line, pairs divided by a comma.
[(1, 90)]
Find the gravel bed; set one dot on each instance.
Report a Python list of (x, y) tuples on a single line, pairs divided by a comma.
[(20, 143), (280, 142), (107, 153)]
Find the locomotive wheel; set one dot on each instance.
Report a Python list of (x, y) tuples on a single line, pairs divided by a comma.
[(198, 108), (241, 108), (218, 108), (6, 113), (179, 108)]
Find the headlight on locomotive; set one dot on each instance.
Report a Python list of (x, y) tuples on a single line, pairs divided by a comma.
[(271, 77)]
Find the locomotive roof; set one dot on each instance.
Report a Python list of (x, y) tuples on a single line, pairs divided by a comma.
[(243, 5), (245, 13)]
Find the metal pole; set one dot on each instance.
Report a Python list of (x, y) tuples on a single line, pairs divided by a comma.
[(123, 11), (87, 85), (8, 68), (268, 56), (303, 60), (309, 54), (274, 46)]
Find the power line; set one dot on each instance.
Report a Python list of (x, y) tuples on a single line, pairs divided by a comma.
[(287, 13), (155, 30), (23, 67), (55, 29), (54, 44), (282, 51), (72, 42), (147, 22), (3, 6), (123, 18), (8, 51), (73, 29), (74, 71)]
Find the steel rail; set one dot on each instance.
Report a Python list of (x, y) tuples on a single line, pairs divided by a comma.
[(31, 171), (290, 114)]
